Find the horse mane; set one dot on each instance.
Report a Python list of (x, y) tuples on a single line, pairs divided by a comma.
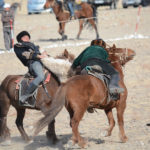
[(60, 4)]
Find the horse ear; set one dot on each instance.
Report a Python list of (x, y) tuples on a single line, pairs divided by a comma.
[(114, 46), (66, 53)]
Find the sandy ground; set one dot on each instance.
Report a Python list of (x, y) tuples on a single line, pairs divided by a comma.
[(115, 26)]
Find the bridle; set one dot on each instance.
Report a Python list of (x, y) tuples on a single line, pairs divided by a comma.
[(122, 56)]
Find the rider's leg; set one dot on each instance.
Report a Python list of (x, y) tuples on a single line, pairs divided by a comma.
[(37, 68), (71, 9), (114, 80), (109, 70)]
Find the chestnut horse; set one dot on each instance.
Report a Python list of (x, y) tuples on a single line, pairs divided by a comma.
[(63, 17), (9, 96), (83, 91)]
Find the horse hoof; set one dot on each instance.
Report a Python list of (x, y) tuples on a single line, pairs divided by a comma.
[(64, 37), (78, 37), (97, 37), (124, 139), (6, 143), (104, 133), (30, 141), (52, 138), (83, 143)]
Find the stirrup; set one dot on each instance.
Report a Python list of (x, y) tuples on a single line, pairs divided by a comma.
[(24, 98), (72, 17)]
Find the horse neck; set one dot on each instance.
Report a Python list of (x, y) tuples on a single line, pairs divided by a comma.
[(118, 67), (56, 9)]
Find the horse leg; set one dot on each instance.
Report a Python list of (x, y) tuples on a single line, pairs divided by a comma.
[(110, 120), (91, 21), (62, 30), (19, 123), (51, 135), (4, 108), (80, 28), (120, 112), (75, 123), (71, 113)]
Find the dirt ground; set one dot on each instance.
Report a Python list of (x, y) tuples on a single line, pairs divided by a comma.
[(116, 27)]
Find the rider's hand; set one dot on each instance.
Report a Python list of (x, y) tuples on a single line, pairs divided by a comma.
[(41, 56), (44, 53)]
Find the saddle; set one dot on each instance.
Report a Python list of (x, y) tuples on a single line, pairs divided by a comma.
[(65, 8), (97, 72), (22, 85)]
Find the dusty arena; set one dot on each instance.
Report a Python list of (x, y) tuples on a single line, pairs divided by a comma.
[(115, 27)]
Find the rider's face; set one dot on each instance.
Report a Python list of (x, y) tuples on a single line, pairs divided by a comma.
[(25, 38)]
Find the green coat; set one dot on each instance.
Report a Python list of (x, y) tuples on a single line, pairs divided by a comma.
[(91, 52)]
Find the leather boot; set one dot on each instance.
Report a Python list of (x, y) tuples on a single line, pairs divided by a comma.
[(29, 92), (113, 85)]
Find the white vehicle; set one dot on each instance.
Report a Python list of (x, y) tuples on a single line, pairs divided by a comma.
[(111, 3), (134, 3), (36, 6)]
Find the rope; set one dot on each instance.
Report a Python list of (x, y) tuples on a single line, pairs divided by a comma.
[(77, 19)]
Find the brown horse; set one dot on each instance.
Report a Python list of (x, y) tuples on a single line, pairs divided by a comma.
[(83, 91), (63, 17), (9, 96)]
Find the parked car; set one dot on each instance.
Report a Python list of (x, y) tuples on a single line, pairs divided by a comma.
[(111, 3), (135, 3), (36, 6)]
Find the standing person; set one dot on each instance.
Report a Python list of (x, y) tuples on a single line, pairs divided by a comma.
[(7, 19), (97, 55), (30, 56)]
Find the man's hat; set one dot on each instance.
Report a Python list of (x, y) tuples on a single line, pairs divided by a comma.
[(21, 34)]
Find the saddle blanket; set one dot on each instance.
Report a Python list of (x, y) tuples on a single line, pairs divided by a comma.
[(22, 85)]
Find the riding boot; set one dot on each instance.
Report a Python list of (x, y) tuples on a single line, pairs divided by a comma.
[(32, 87), (113, 85)]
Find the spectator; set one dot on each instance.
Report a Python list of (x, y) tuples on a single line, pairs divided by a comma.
[(7, 19)]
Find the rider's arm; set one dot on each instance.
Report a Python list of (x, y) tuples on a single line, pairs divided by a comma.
[(76, 62)]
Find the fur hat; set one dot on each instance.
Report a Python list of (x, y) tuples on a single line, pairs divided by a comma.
[(21, 34), (99, 42)]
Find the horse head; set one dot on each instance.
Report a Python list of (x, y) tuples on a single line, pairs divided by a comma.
[(122, 55), (67, 56), (48, 4)]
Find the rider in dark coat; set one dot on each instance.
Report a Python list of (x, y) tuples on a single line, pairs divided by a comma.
[(97, 55), (30, 56)]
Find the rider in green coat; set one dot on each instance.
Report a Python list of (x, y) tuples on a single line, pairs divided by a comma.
[(97, 55)]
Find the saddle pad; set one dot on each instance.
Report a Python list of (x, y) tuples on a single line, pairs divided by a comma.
[(23, 85)]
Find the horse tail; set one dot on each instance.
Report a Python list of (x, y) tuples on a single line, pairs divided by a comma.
[(56, 106)]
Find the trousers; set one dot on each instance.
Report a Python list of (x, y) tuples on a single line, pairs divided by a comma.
[(36, 68)]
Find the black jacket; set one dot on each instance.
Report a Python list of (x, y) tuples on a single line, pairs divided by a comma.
[(26, 52)]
